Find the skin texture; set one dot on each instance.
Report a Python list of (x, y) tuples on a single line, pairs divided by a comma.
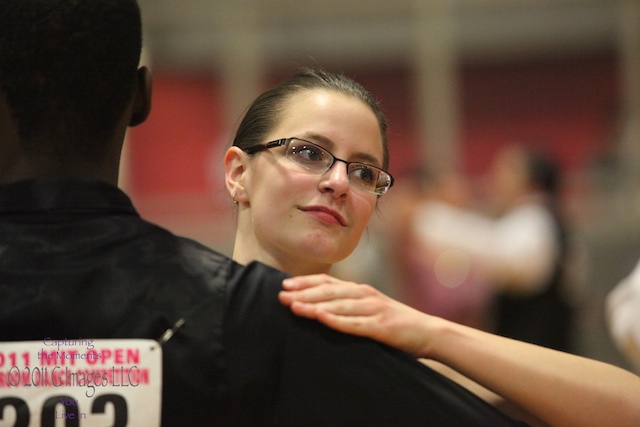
[(559, 389), (290, 218)]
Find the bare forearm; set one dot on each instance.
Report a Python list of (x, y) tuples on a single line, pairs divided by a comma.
[(503, 405), (559, 388)]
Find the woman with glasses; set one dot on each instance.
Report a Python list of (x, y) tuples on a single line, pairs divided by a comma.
[(306, 169)]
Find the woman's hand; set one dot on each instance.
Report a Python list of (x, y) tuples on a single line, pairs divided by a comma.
[(560, 389), (359, 310)]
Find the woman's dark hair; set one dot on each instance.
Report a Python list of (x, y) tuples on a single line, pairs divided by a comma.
[(265, 111), (68, 69)]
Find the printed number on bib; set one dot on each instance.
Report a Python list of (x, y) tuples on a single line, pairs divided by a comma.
[(81, 382)]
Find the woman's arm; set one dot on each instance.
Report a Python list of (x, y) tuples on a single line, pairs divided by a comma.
[(559, 388)]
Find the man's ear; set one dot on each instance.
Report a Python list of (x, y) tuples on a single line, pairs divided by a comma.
[(235, 167), (142, 97)]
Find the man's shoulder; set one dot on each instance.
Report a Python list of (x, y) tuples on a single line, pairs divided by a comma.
[(165, 242), (256, 278), (195, 250), (179, 256), (254, 282)]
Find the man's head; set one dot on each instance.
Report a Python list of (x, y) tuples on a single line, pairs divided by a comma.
[(69, 78)]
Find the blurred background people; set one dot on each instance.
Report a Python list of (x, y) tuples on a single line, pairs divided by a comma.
[(520, 247), (442, 282)]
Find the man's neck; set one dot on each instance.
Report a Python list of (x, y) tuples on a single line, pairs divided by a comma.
[(39, 169)]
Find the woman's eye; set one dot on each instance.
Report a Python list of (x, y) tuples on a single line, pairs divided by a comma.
[(310, 154), (365, 174)]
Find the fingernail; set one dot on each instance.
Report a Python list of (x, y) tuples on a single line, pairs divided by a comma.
[(289, 284)]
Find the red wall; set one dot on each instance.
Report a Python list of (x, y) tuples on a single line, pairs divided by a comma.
[(571, 104)]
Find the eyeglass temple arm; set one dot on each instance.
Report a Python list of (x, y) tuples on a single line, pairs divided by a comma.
[(272, 144)]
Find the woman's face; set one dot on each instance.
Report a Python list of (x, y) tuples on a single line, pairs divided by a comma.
[(303, 222)]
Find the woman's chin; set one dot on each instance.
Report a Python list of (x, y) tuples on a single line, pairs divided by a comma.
[(321, 254)]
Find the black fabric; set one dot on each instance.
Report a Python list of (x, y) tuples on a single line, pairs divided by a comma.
[(319, 377), (76, 260)]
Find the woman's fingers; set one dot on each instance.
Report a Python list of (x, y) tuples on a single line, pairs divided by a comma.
[(354, 325), (304, 282), (313, 295), (330, 315), (359, 310), (314, 289), (347, 307)]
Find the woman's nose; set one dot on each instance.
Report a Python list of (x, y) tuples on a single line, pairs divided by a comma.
[(336, 180)]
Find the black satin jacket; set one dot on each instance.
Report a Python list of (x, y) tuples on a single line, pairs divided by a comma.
[(76, 260)]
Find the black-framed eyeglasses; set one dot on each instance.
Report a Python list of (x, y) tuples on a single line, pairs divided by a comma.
[(318, 160)]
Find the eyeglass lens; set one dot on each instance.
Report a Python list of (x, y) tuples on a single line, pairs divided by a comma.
[(317, 159)]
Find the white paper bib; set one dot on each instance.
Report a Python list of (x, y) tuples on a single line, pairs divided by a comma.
[(80, 382)]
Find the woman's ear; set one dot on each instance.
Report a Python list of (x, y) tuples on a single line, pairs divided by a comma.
[(235, 167)]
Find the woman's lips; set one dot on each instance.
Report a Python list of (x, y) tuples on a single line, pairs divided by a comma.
[(325, 214)]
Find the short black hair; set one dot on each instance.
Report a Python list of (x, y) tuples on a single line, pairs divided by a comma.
[(68, 70)]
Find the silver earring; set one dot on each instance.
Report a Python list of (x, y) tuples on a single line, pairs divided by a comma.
[(235, 202)]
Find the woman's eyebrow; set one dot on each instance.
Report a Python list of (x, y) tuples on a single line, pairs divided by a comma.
[(316, 137), (330, 145)]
